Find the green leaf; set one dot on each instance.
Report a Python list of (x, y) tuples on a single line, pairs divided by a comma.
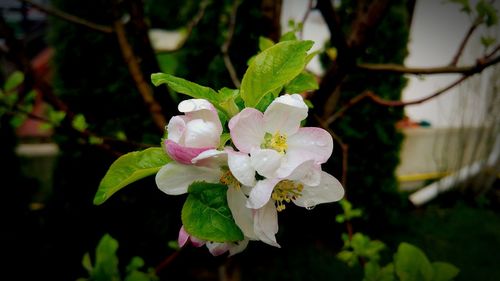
[(138, 276), (373, 272), (129, 168), (17, 120), (288, 36), (223, 100), (265, 43), (348, 257), (444, 271), (487, 41), (227, 101), (184, 86), (56, 116), (303, 82), (135, 264), (224, 138), (206, 215), (87, 263), (13, 81), (106, 261), (272, 69), (465, 5), (411, 264), (79, 123), (487, 12)]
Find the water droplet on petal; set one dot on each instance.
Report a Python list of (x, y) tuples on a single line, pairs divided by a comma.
[(309, 204)]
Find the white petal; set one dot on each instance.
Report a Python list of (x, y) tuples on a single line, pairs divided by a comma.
[(175, 128), (210, 158), (241, 214), (308, 173), (237, 247), (266, 161), (311, 143), (261, 193), (201, 133), (284, 114), (175, 178), (216, 248), (266, 224), (329, 190), (247, 129), (241, 168)]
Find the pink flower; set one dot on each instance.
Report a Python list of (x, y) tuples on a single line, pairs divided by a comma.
[(198, 130), (274, 139), (215, 248)]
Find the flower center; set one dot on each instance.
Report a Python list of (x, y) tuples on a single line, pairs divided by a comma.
[(228, 179), (285, 191), (276, 142)]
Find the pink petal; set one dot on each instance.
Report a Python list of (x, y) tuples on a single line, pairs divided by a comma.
[(183, 237), (197, 242), (181, 153), (329, 190), (266, 224), (311, 143), (246, 129), (201, 109), (261, 193), (176, 127), (284, 114)]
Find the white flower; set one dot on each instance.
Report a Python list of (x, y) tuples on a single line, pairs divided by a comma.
[(274, 139), (211, 166), (307, 186), (198, 130)]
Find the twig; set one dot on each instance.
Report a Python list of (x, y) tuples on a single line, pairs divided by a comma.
[(345, 154), (493, 52), (400, 69), (168, 260), (189, 27), (337, 37), (135, 71), (68, 17), (339, 113), (227, 44), (384, 102), (466, 38)]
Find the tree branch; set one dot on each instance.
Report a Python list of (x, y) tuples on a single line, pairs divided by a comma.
[(304, 18), (189, 27), (227, 44), (68, 17), (135, 71), (401, 69), (466, 38)]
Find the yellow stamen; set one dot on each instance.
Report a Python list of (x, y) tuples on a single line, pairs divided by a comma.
[(286, 191), (276, 142), (228, 179)]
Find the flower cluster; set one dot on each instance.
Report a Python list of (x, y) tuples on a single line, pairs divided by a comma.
[(272, 162)]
